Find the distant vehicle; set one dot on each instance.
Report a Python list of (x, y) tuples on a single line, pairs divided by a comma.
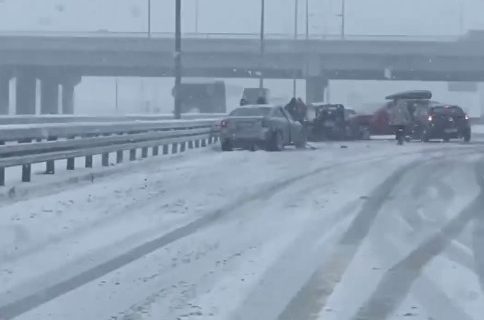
[(203, 97), (268, 127), (335, 122), (252, 95), (441, 122), (416, 99), (411, 95)]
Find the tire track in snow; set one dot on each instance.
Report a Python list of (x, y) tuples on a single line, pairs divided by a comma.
[(478, 233), (426, 291), (395, 285), (30, 301), (313, 296)]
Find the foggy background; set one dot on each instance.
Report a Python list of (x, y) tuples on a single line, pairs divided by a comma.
[(437, 18)]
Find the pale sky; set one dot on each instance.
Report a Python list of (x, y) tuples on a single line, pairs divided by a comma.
[(363, 16)]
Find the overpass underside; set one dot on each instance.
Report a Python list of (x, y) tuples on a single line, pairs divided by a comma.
[(27, 87), (53, 66)]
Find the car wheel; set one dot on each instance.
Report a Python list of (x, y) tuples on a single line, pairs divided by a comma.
[(227, 145), (425, 136), (275, 143), (446, 139), (365, 133), (467, 136), (301, 142)]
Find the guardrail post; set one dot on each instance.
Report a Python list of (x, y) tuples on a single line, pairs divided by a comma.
[(50, 167), (155, 151), (2, 177), (197, 143), (119, 156), (166, 149), (182, 146), (105, 159), (71, 163), (144, 152), (174, 148), (89, 161), (26, 172), (190, 144), (132, 154)]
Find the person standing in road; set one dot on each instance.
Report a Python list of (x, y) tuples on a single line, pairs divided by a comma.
[(400, 119)]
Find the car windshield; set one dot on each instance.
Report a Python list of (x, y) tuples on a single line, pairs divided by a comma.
[(251, 111), (241, 160), (452, 110)]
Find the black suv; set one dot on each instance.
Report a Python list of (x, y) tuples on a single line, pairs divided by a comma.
[(441, 122)]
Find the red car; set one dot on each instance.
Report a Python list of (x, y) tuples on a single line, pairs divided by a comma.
[(380, 121)]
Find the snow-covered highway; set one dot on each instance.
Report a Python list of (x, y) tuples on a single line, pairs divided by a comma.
[(369, 231)]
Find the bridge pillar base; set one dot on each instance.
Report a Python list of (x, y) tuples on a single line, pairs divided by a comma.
[(315, 89), (68, 91), (26, 92), (49, 101), (4, 93)]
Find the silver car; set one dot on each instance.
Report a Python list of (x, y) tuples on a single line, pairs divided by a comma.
[(261, 126)]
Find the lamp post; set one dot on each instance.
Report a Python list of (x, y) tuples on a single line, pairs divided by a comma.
[(197, 11), (296, 14), (149, 19), (343, 17), (262, 26), (116, 95), (178, 61), (307, 19)]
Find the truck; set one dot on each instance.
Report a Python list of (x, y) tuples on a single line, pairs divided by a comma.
[(203, 97)]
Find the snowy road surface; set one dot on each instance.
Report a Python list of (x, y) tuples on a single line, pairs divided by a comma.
[(371, 231)]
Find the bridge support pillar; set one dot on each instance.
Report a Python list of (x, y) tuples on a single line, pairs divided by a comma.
[(49, 101), (4, 93), (26, 92), (68, 91), (315, 88)]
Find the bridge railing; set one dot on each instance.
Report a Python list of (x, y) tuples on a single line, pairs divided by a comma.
[(227, 35), (25, 145)]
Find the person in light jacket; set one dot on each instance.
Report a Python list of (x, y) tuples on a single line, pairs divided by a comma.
[(400, 118)]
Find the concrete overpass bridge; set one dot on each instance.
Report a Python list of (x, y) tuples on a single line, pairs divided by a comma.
[(60, 61)]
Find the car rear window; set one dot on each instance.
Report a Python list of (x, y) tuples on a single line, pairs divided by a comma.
[(250, 112), (452, 110)]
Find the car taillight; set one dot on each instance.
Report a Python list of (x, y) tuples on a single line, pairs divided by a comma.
[(224, 124), (430, 118)]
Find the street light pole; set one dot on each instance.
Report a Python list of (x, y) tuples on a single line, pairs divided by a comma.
[(307, 19), (262, 27), (116, 95), (149, 18), (178, 61), (197, 7), (343, 17), (461, 18), (296, 14)]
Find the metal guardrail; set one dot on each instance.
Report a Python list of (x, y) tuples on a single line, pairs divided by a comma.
[(226, 35), (28, 119), (68, 141)]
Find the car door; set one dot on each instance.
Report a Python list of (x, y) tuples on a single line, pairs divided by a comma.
[(294, 127), (283, 124)]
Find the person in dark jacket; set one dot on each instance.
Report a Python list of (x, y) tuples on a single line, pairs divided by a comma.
[(291, 108)]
